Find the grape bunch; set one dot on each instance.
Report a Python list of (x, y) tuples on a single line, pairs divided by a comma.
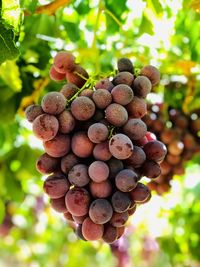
[(179, 132), (97, 148)]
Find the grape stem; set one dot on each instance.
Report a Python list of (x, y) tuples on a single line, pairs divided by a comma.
[(111, 130)]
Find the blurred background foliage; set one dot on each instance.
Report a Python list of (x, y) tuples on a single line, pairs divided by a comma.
[(164, 232)]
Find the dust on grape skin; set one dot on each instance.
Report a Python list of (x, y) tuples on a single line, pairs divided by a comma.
[(119, 148)]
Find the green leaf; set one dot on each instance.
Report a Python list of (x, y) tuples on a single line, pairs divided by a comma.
[(83, 7), (2, 211), (72, 30), (146, 26), (7, 43), (155, 6)]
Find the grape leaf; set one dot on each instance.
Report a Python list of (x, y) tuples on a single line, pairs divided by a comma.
[(7, 43), (2, 211)]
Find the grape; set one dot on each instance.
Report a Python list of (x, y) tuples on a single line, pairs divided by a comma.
[(176, 148), (81, 145), (132, 210), (53, 103), (115, 165), (120, 231), (124, 64), (137, 108), (135, 129), (98, 132), (122, 94), (110, 234), (82, 108), (68, 90), (120, 146), (58, 146), (152, 73), (140, 194), (119, 219), (150, 136), (102, 98), (58, 204), (167, 136), (77, 201), (78, 77), (124, 77), (56, 76), (78, 175), (116, 114), (66, 122), (68, 216), (87, 92), (100, 211), (92, 231), (79, 219), (98, 171), (155, 150), (141, 142), (47, 164), (151, 169), (142, 86), (101, 151), (104, 84), (126, 180), (137, 157), (165, 167), (173, 160), (56, 185), (68, 161), (64, 61), (79, 232), (45, 127), (100, 190), (32, 112), (120, 201)]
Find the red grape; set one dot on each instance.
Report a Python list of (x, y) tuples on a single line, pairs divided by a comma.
[(58, 146), (120, 146), (100, 211)]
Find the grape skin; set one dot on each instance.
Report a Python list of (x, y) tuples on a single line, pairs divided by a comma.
[(77, 201), (140, 194), (100, 190), (75, 78), (123, 77), (79, 219), (115, 165), (142, 86), (104, 84), (81, 145), (151, 169), (137, 108), (126, 180), (56, 185), (56, 76), (152, 73), (122, 94), (64, 61), (101, 151), (68, 161), (155, 150), (98, 171), (120, 146), (45, 127), (110, 234), (47, 164), (78, 175), (102, 98), (68, 90), (116, 114), (98, 132), (124, 64), (53, 103), (92, 231), (120, 201), (32, 112), (66, 122), (100, 211), (137, 157), (58, 204), (135, 129), (57, 147), (119, 219), (82, 108)]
